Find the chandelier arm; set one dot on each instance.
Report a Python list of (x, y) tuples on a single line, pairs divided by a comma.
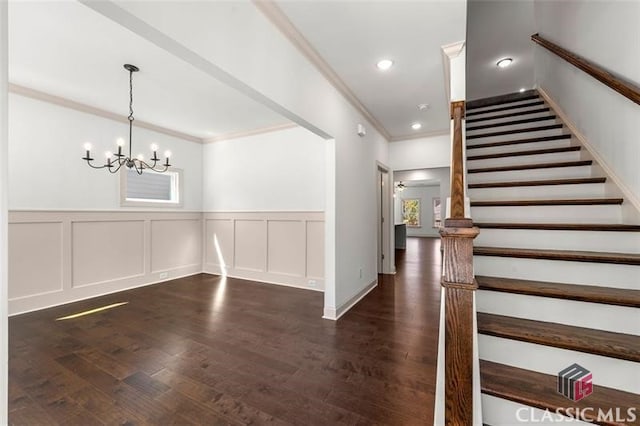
[(96, 167), (116, 169)]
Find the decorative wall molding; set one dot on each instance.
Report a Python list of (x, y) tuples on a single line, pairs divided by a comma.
[(282, 22), (57, 257), (626, 191), (285, 248), (78, 106)]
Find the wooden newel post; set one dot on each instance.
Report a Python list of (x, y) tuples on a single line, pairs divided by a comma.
[(459, 285)]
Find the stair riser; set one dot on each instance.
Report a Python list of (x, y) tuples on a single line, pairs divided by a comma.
[(498, 411), (618, 319), (513, 106), (548, 214), (591, 190), (600, 241), (506, 119), (525, 159), (599, 274), (531, 174), (558, 143), (609, 372), (513, 136), (505, 128)]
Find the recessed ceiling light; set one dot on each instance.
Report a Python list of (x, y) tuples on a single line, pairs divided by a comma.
[(423, 107), (522, 89), (416, 126), (504, 62), (384, 64)]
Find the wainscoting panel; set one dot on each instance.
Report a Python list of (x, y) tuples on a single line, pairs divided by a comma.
[(219, 243), (57, 257), (175, 244), (35, 256), (285, 240), (284, 248), (250, 245), (121, 247), (315, 249)]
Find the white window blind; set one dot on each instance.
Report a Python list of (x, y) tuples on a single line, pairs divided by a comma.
[(151, 188)]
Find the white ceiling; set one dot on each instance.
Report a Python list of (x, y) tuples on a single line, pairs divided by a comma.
[(352, 36), (499, 29), (66, 49)]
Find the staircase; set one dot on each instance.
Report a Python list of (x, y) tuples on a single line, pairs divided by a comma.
[(557, 268)]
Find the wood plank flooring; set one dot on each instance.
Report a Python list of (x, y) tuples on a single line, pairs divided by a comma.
[(209, 350)]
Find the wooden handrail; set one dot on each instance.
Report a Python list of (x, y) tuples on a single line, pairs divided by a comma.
[(459, 285), (621, 85)]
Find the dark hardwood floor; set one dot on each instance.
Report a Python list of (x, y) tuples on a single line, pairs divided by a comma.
[(209, 350)]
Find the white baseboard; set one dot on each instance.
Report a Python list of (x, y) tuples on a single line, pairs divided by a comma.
[(50, 300), (267, 277), (335, 313)]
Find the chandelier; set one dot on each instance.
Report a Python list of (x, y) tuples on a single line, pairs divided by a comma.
[(115, 161)]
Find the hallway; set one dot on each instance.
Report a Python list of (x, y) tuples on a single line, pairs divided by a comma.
[(212, 350)]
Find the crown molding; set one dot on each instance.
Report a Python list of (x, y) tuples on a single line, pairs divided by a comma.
[(78, 106), (278, 18), (253, 132), (420, 135)]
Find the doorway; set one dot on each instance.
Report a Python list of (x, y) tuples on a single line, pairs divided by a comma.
[(383, 224)]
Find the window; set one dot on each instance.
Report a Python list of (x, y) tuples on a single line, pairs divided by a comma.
[(151, 189), (411, 212), (437, 213)]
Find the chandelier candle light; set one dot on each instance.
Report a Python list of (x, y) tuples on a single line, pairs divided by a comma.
[(115, 161)]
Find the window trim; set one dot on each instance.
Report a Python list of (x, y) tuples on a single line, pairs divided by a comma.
[(124, 202)]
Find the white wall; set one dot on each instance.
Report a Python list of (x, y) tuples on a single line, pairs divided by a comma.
[(606, 33), (423, 153), (272, 70), (425, 194), (276, 171), (46, 171)]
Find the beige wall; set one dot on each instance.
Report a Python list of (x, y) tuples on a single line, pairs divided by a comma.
[(56, 257), (277, 247)]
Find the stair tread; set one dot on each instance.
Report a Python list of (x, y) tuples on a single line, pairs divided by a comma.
[(571, 181), (566, 255), (513, 131), (531, 166), (508, 115), (528, 152), (615, 227), (470, 111), (519, 141), (582, 293), (581, 339), (548, 202), (510, 123), (540, 390)]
